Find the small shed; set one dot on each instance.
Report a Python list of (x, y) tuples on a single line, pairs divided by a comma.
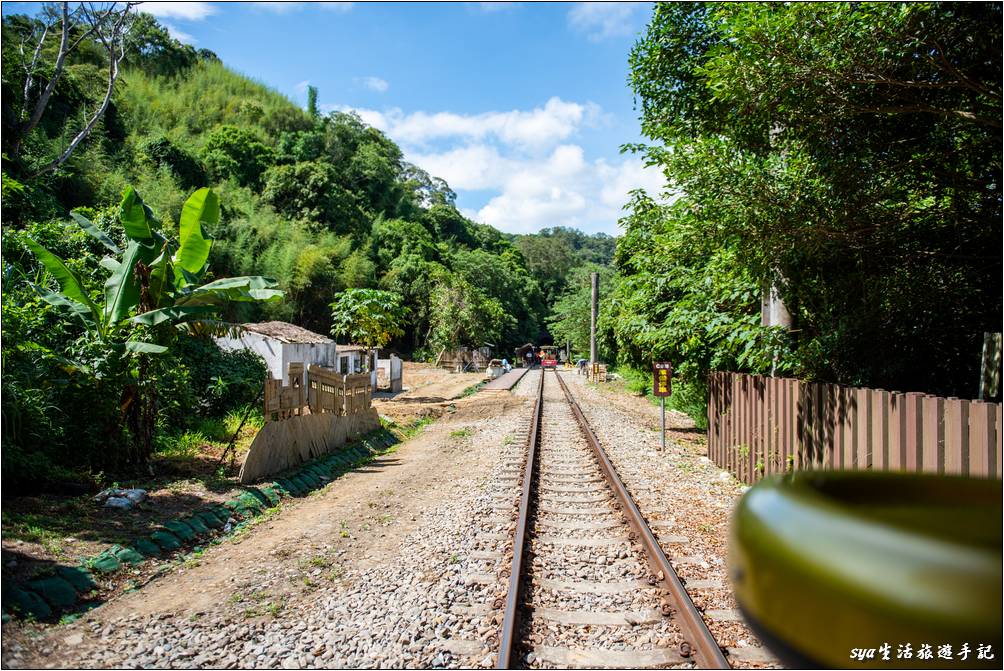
[(281, 343)]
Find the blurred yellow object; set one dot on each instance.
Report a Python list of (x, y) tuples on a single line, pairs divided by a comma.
[(828, 567)]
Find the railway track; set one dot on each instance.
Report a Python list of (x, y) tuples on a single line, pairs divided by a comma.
[(589, 585)]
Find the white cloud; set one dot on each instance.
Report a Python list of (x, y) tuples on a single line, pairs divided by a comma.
[(375, 84), (600, 20), (290, 7), (536, 129), (190, 11), (278, 7), (473, 167), (338, 7), (527, 161), (568, 190), (562, 188), (492, 7), (177, 34), (301, 87)]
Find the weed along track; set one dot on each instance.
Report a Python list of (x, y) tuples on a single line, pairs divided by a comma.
[(589, 585)]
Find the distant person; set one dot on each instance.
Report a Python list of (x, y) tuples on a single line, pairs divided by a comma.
[(505, 365), (529, 358)]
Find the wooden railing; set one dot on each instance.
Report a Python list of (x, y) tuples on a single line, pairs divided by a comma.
[(326, 391), (760, 426)]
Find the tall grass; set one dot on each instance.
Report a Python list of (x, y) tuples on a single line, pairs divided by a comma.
[(185, 108)]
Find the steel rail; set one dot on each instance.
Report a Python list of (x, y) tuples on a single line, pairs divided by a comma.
[(510, 621), (698, 638)]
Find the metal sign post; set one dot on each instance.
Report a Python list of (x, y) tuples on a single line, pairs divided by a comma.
[(662, 386)]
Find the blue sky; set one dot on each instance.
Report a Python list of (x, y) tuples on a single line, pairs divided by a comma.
[(521, 107)]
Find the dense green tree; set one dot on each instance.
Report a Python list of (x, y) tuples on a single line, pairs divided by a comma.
[(570, 314), (312, 102), (462, 315), (503, 279), (309, 191), (848, 154), (232, 152), (152, 49), (368, 317), (162, 153), (553, 252), (393, 238)]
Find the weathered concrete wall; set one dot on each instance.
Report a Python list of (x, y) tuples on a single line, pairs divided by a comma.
[(293, 441), (278, 355), (269, 349), (322, 354), (389, 376)]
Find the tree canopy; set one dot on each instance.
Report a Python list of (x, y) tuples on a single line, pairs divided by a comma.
[(847, 154), (369, 317)]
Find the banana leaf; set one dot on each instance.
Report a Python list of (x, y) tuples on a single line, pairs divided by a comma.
[(108, 263), (62, 302), (135, 216), (172, 314), (138, 347), (232, 289), (202, 207), (96, 232), (69, 284)]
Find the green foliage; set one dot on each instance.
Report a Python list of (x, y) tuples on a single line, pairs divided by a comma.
[(554, 253), (369, 317), (309, 191), (463, 315), (234, 153), (162, 153), (847, 154), (571, 312), (222, 381), (312, 102)]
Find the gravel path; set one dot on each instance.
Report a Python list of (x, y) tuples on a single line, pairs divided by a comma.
[(687, 501), (322, 604)]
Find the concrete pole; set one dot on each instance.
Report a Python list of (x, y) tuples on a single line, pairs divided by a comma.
[(595, 277)]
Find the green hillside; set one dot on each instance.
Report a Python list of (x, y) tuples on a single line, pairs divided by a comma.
[(320, 203)]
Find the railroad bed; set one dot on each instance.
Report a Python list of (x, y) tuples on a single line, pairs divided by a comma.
[(589, 585)]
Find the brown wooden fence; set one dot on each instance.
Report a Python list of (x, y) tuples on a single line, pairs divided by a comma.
[(759, 426)]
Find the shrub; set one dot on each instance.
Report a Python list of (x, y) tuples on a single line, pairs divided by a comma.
[(222, 380), (234, 152), (163, 153)]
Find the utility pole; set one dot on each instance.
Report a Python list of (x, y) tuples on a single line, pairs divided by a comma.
[(773, 312), (595, 277)]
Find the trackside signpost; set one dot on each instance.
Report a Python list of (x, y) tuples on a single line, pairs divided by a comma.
[(662, 386)]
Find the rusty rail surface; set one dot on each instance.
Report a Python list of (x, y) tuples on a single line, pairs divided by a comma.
[(510, 621), (698, 640), (697, 636)]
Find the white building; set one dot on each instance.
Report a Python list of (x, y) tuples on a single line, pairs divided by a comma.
[(281, 343)]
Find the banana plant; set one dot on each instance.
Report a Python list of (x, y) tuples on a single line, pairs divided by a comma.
[(154, 280)]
